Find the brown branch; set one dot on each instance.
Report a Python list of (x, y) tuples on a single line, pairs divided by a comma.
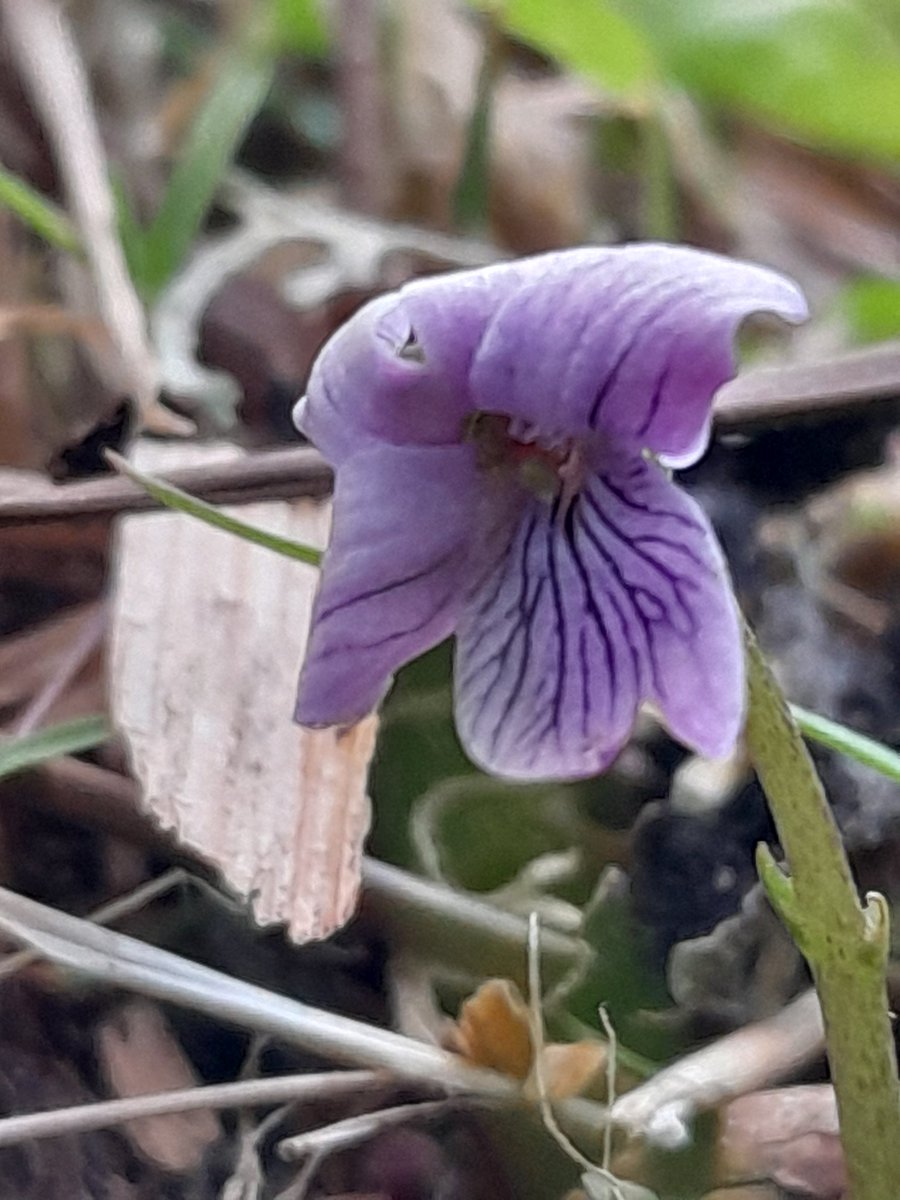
[(266, 475), (809, 390), (758, 398)]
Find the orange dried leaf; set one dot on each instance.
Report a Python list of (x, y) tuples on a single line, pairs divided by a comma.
[(568, 1068), (493, 1029)]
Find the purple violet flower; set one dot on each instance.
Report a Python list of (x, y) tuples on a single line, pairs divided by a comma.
[(501, 439)]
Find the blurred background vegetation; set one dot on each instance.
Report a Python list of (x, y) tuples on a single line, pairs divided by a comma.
[(273, 164)]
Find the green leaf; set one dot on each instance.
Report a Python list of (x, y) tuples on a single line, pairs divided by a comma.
[(826, 71), (132, 234), (299, 28), (601, 1187), (624, 974), (588, 36), (472, 192), (240, 88), (864, 749), (67, 738), (872, 307), (173, 497), (477, 833), (37, 212)]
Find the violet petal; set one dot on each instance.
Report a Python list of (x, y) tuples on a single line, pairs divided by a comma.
[(393, 579), (397, 371), (632, 343), (624, 600)]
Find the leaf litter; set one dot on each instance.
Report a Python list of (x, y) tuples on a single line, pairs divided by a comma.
[(709, 1004)]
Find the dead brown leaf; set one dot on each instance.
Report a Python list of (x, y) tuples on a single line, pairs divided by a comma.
[(843, 212), (542, 139), (41, 1071), (138, 1055), (494, 1030), (789, 1135), (432, 97), (208, 635), (569, 1067)]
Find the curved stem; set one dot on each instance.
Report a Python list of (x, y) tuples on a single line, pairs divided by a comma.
[(844, 941)]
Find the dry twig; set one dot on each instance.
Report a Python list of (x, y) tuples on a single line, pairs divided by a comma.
[(243, 1093), (353, 1130), (41, 40), (740, 1062), (124, 962)]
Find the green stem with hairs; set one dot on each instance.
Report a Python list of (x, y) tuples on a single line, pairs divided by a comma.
[(844, 942)]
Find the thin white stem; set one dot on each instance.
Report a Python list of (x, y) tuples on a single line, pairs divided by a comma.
[(243, 1093), (612, 1054), (122, 906), (353, 1130), (535, 992)]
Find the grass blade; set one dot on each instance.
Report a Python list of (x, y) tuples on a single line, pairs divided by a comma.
[(173, 497), (69, 737), (838, 737), (41, 215), (234, 99)]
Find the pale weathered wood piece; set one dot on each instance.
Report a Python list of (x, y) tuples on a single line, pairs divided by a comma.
[(208, 635)]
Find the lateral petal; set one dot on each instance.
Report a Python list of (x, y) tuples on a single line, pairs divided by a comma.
[(398, 370), (394, 576)]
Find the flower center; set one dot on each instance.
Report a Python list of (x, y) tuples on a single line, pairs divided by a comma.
[(552, 467)]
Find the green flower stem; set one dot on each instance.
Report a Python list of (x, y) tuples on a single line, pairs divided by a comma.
[(844, 942)]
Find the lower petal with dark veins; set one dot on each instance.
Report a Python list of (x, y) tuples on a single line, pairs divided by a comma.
[(620, 598)]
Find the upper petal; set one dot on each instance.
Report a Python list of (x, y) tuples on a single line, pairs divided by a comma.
[(624, 600), (394, 575), (630, 342)]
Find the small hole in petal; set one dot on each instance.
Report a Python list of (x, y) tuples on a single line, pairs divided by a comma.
[(411, 349)]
